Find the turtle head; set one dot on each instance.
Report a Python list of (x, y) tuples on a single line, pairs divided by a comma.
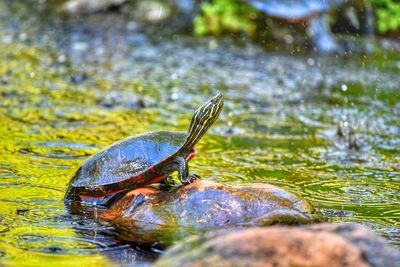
[(203, 118)]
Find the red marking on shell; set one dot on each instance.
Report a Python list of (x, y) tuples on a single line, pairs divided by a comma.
[(157, 179), (104, 195), (152, 170)]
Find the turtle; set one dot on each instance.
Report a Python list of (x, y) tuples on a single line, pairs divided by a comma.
[(313, 15), (142, 160)]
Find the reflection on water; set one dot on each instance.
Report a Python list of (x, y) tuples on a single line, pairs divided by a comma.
[(327, 131)]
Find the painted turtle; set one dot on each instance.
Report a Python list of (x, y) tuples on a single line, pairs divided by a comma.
[(144, 159)]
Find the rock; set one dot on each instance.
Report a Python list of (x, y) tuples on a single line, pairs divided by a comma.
[(331, 245), (149, 214), (151, 11), (89, 6), (375, 250)]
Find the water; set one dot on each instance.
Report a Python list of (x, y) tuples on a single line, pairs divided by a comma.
[(323, 128)]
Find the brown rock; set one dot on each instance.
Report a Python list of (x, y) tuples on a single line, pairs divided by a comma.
[(375, 249), (149, 214), (316, 245)]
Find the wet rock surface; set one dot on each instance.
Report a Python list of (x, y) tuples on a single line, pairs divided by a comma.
[(149, 214), (314, 245)]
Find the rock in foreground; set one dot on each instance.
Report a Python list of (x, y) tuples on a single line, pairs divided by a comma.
[(331, 245), (149, 214)]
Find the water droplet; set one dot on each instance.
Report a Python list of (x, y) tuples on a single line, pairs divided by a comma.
[(310, 61), (288, 38), (344, 87), (212, 44), (80, 46), (23, 36), (62, 58), (174, 96)]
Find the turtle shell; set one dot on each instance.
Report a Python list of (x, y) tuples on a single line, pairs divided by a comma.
[(128, 159)]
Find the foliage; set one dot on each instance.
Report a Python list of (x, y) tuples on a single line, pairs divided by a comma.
[(220, 16), (388, 14)]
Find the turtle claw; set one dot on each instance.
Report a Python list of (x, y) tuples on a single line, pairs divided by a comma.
[(186, 181), (190, 179), (194, 177)]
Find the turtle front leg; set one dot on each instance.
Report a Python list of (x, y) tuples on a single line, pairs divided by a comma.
[(183, 171)]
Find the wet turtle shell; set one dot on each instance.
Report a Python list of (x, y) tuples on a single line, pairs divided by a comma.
[(132, 160), (128, 158)]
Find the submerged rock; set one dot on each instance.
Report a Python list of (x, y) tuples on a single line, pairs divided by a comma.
[(89, 6), (149, 214), (152, 11), (315, 245)]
